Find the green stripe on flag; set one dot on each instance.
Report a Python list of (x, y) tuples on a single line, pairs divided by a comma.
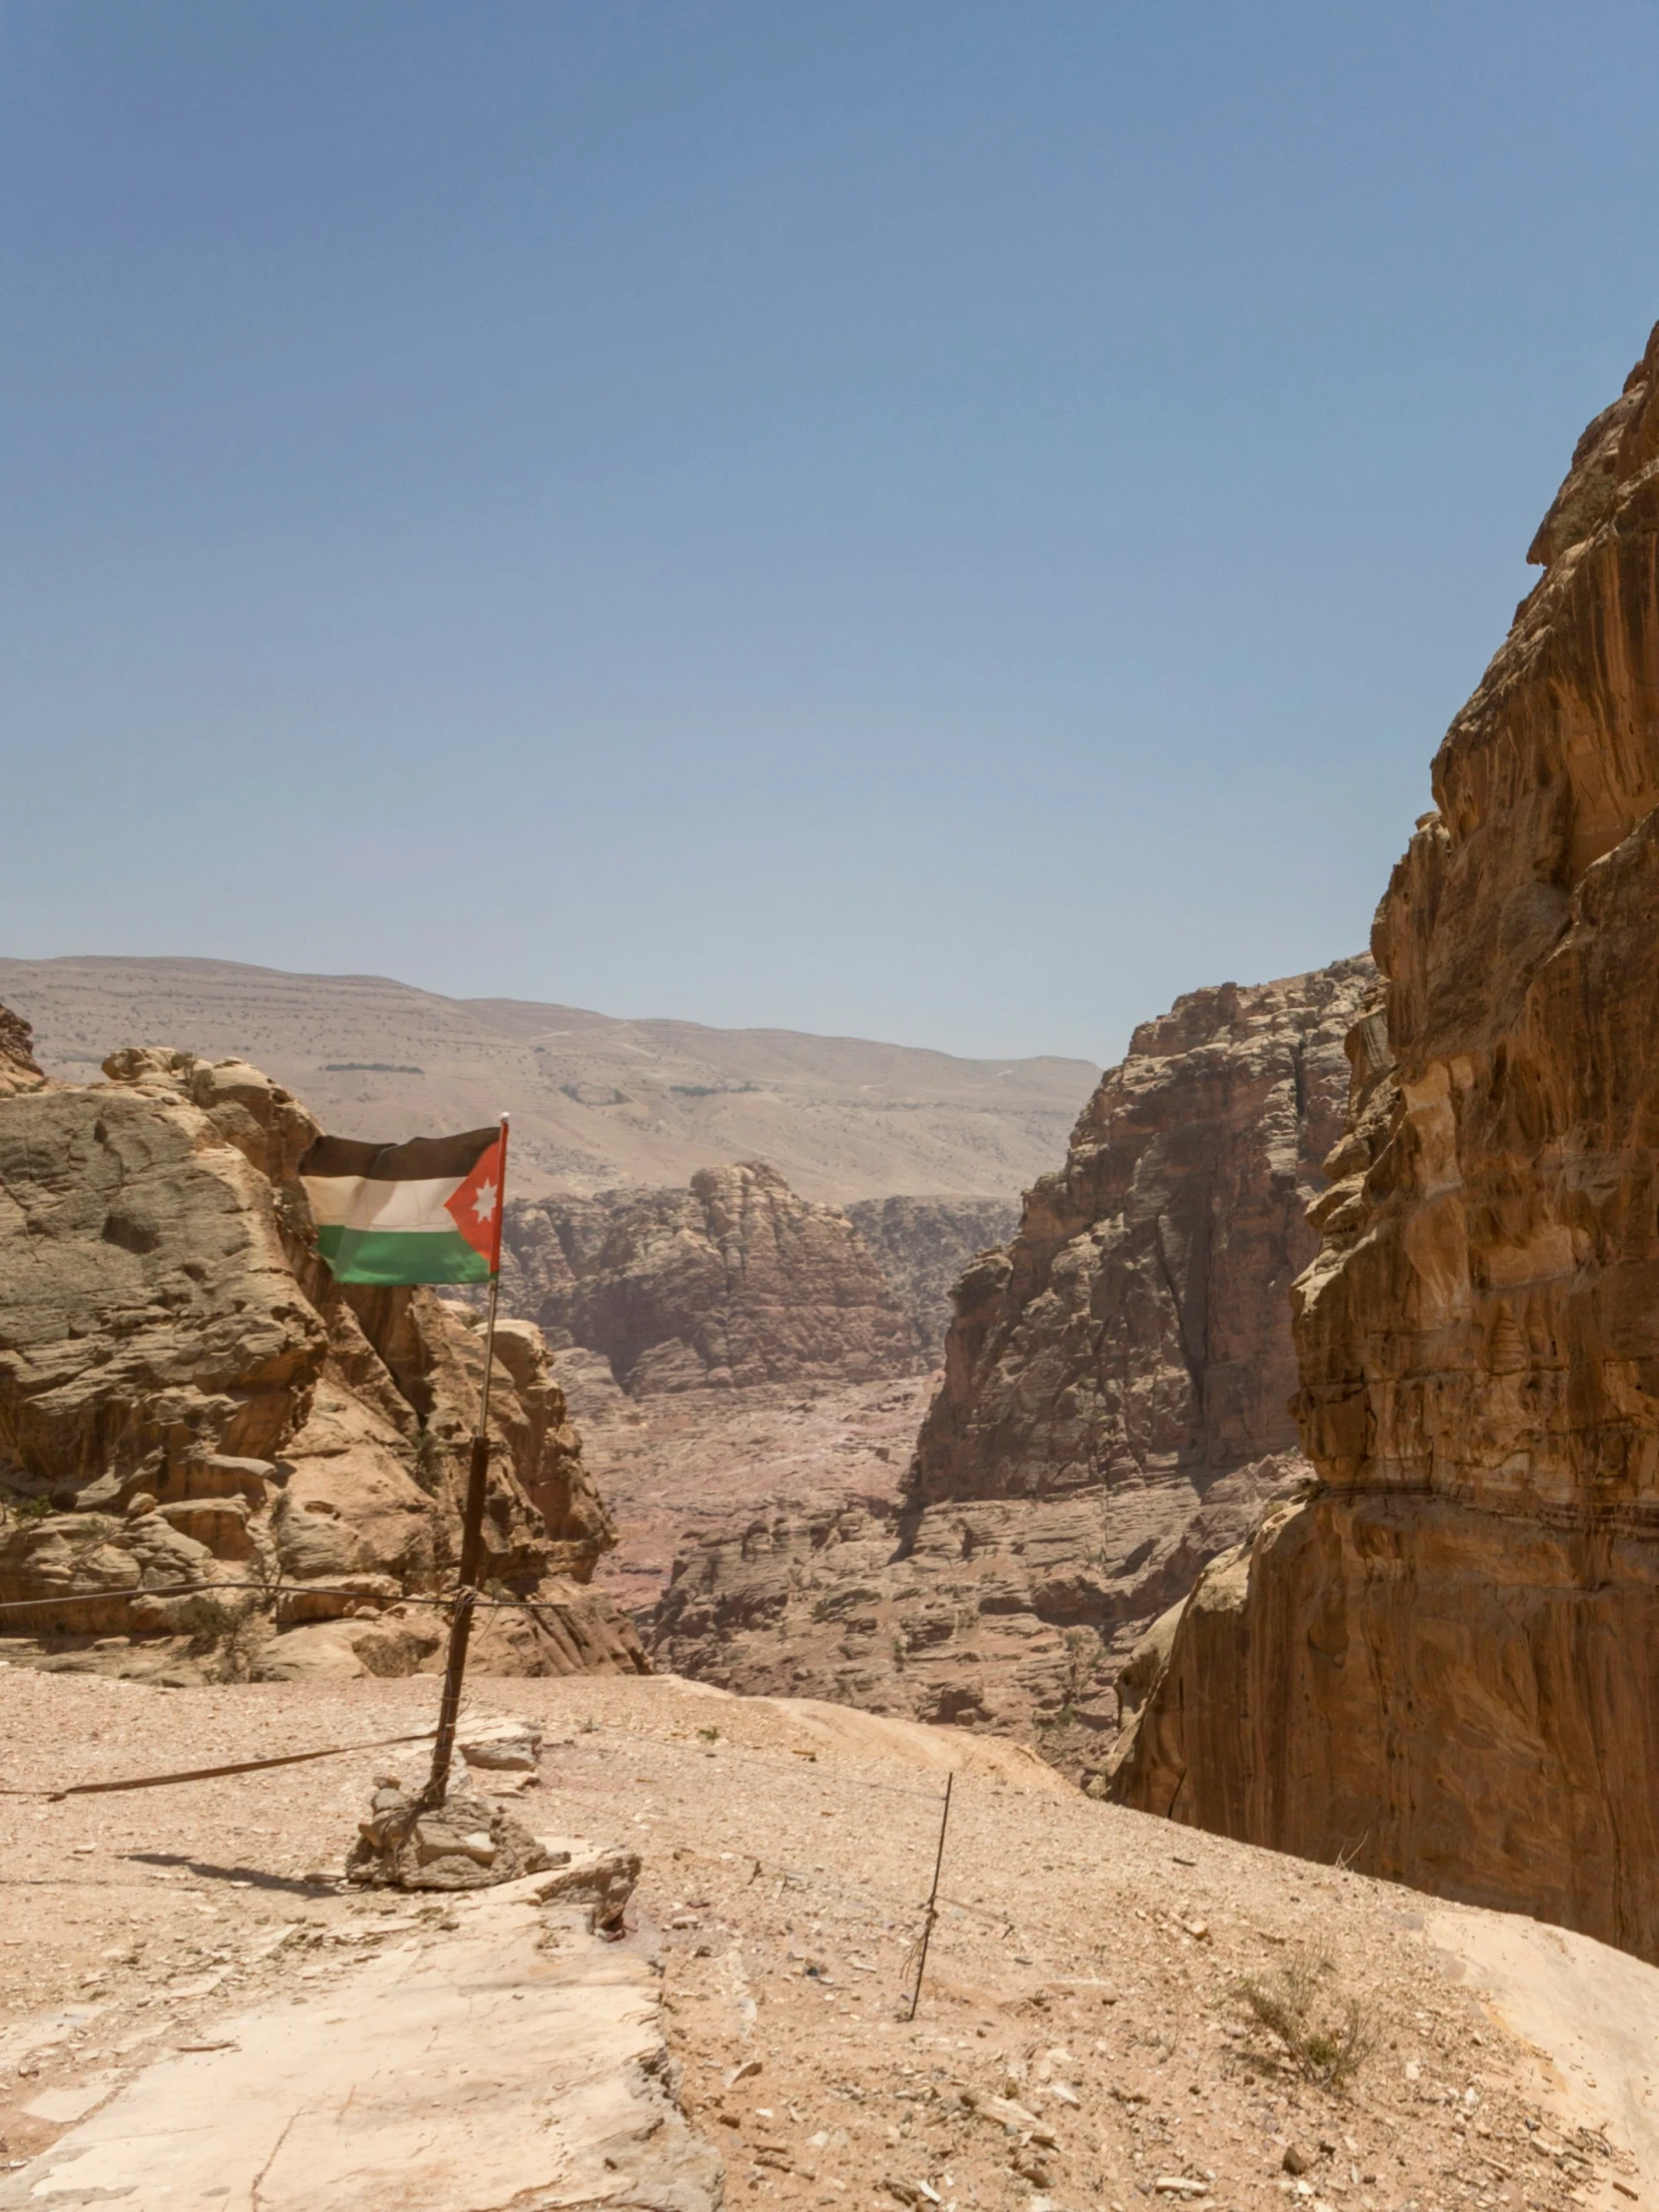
[(400, 1255)]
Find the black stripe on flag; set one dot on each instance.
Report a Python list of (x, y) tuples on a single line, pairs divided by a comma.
[(420, 1160)]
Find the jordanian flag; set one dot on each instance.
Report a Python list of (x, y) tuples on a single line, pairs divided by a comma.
[(428, 1211)]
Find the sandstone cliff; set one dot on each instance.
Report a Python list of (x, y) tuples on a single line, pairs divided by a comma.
[(1445, 1665), (735, 1281), (1113, 1412), (921, 1246), (187, 1395)]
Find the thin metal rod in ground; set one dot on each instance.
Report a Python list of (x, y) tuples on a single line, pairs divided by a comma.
[(933, 1901)]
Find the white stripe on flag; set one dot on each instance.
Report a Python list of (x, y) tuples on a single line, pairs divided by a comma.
[(357, 1203)]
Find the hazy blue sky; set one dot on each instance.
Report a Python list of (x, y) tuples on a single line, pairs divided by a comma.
[(939, 521)]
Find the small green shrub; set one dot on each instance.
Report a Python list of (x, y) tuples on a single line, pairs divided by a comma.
[(227, 1634), (430, 1462)]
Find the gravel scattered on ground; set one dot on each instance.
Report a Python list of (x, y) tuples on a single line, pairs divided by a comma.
[(1085, 2038)]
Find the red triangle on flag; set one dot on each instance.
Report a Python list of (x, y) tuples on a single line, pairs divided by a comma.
[(474, 1204)]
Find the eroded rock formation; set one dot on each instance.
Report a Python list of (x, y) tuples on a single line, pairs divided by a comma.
[(1445, 1665), (19, 1070), (735, 1281), (1113, 1412), (185, 1396), (921, 1246)]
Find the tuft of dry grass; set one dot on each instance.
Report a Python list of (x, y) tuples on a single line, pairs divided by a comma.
[(1325, 2036)]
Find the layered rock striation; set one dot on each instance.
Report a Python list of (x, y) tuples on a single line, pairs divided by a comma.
[(1113, 1412), (734, 1282), (187, 1398), (1444, 1666)]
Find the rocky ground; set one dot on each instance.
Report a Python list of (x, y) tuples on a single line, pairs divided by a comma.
[(1086, 2035)]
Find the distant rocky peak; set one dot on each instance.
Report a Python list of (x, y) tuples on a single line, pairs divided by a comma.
[(1235, 1010), (1620, 445), (733, 1280)]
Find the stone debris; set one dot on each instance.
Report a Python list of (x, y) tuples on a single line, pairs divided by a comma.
[(504, 1746), (467, 1842)]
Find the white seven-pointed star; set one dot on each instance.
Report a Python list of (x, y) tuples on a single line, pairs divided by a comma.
[(483, 1202)]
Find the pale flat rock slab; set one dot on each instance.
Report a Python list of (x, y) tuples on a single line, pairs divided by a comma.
[(515, 2061), (42, 2030), (1590, 2011), (61, 2105)]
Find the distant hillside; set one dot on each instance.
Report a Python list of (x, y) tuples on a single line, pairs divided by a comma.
[(595, 1101)]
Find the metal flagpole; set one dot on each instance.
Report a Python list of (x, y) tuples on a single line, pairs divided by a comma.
[(932, 1899), (473, 1533)]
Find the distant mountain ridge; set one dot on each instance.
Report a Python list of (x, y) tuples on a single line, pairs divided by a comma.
[(596, 1101)]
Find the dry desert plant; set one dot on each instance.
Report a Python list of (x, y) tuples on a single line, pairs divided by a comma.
[(227, 1635), (1323, 2036)]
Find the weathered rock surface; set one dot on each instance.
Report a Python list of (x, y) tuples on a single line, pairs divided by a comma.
[(185, 1396), (677, 1467), (355, 2099), (1113, 1412), (19, 1070), (921, 1246), (1445, 1665), (735, 1281)]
